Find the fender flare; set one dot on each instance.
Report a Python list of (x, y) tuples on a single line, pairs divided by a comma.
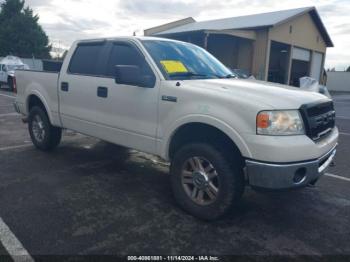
[(236, 138), (43, 101)]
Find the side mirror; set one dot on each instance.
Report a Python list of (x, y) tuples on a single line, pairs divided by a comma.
[(132, 75)]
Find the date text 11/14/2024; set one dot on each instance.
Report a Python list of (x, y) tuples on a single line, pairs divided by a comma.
[(173, 258)]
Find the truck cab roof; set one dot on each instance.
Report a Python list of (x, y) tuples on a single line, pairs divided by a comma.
[(140, 38)]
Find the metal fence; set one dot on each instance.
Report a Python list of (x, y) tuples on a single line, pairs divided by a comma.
[(34, 64), (338, 81)]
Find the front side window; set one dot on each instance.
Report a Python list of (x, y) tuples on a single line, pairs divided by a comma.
[(126, 54), (128, 66), (180, 61), (85, 59)]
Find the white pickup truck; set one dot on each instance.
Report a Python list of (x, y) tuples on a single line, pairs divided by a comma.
[(8, 66), (175, 100)]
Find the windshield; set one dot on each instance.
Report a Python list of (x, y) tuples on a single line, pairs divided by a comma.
[(180, 61)]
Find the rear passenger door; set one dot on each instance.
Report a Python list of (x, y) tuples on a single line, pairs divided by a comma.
[(78, 87), (128, 113)]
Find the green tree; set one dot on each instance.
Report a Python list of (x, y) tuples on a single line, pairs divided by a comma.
[(20, 33)]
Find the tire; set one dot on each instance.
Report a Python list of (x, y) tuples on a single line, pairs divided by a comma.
[(44, 136), (10, 83), (228, 180)]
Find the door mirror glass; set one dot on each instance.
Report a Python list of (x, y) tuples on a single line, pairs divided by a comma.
[(133, 75)]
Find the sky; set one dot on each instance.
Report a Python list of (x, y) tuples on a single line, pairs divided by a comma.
[(68, 20)]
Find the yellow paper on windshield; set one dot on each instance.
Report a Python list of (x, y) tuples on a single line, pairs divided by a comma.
[(173, 66)]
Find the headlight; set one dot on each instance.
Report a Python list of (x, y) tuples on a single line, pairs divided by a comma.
[(280, 123)]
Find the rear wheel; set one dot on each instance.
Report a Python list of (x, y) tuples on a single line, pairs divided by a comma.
[(205, 183), (44, 136), (10, 83)]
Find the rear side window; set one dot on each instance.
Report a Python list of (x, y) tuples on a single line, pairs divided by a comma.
[(85, 59)]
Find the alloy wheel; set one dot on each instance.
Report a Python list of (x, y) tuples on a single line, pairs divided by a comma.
[(38, 128), (200, 181)]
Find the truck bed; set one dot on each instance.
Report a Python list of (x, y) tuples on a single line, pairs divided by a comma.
[(43, 84)]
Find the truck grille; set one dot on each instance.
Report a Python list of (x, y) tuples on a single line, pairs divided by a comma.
[(319, 119)]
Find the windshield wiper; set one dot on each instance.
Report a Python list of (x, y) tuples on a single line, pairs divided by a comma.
[(188, 74), (230, 76)]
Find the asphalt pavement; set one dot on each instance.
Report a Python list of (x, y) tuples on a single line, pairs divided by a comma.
[(92, 198)]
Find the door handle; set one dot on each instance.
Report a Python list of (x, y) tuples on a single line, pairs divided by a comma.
[(64, 86), (102, 92)]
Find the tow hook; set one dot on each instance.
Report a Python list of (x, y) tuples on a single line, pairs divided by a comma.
[(312, 184), (25, 120)]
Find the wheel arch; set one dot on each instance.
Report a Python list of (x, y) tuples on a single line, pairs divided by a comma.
[(188, 131), (35, 99)]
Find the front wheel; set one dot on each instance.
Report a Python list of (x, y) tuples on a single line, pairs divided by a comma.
[(44, 136), (205, 182)]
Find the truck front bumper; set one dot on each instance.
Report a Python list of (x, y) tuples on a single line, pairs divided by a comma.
[(288, 175)]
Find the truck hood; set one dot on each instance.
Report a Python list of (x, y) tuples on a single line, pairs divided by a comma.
[(269, 94)]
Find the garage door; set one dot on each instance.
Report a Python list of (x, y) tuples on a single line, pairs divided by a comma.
[(316, 65), (301, 54)]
